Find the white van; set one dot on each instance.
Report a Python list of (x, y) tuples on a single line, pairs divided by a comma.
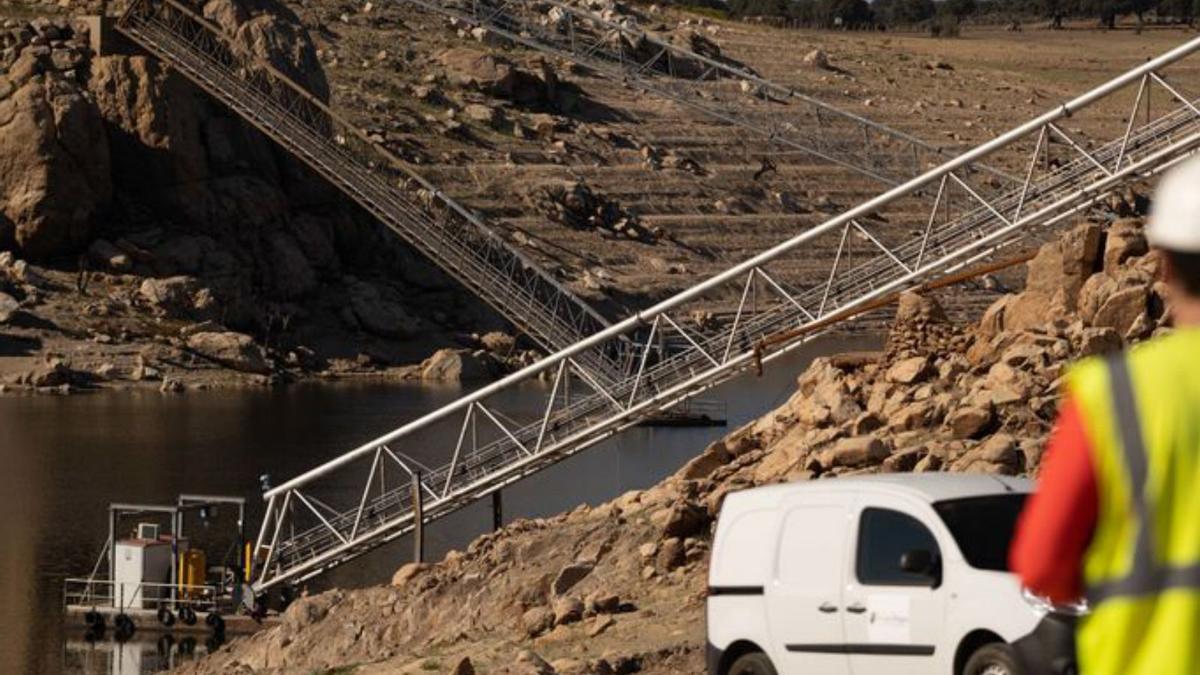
[(899, 574)]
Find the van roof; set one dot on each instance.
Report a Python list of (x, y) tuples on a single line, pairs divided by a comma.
[(929, 487)]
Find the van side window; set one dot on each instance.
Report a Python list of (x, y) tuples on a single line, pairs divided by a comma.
[(885, 535)]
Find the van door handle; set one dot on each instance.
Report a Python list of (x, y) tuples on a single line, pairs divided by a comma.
[(827, 608), (856, 608)]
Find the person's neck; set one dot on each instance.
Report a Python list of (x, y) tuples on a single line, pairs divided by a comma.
[(1186, 313)]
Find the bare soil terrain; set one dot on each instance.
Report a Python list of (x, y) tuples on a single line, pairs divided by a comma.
[(710, 209)]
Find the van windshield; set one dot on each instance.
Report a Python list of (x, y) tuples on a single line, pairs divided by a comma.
[(983, 527)]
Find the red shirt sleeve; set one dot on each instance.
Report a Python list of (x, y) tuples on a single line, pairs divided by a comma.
[(1055, 528)]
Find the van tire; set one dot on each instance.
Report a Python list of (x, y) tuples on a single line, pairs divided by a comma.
[(754, 663), (997, 658)]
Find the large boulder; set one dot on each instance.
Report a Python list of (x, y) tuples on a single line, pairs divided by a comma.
[(567, 610), (494, 75), (910, 370), (915, 308), (1122, 310), (570, 575), (291, 275), (997, 454), (54, 162), (1126, 239), (456, 365), (177, 297), (8, 307), (1056, 275), (854, 452), (970, 420), (407, 573), (380, 315), (537, 620), (183, 157), (685, 519), (270, 31), (232, 350), (817, 58)]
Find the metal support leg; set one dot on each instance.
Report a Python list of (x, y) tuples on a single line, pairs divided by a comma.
[(497, 511), (418, 534), (112, 547)]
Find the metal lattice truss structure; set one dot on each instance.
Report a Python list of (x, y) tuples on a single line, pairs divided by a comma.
[(363, 498), (618, 49), (448, 234)]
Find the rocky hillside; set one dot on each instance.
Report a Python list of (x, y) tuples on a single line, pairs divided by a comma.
[(619, 588), (150, 236), (138, 213)]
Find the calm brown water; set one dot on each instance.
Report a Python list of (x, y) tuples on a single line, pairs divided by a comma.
[(64, 459)]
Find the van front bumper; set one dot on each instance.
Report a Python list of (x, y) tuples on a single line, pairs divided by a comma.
[(1050, 648)]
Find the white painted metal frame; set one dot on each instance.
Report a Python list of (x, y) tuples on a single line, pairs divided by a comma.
[(963, 226)]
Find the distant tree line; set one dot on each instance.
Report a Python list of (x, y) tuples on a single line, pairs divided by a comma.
[(859, 14)]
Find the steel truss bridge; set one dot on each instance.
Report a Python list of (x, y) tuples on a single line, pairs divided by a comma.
[(605, 378), (451, 235), (314, 523)]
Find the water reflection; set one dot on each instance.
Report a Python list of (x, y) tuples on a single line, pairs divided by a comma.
[(62, 460), (133, 657)]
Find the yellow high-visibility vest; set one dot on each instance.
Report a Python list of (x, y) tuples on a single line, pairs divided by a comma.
[(1141, 414)]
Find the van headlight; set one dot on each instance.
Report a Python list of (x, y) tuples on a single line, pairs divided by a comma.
[(1043, 605)]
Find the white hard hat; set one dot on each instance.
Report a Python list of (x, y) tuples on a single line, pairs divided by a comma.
[(1175, 211)]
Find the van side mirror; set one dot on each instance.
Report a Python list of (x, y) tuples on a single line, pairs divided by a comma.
[(920, 561)]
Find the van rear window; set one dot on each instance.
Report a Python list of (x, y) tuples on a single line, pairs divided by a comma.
[(983, 527)]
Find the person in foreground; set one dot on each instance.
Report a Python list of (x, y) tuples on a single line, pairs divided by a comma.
[(1116, 517)]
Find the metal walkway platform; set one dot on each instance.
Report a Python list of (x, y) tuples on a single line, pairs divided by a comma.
[(314, 522), (447, 233)]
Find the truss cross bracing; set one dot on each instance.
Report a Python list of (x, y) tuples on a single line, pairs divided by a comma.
[(312, 524), (618, 49), (447, 233)]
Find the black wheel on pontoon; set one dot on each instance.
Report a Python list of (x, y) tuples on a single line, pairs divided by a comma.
[(123, 627), (165, 617), (94, 619)]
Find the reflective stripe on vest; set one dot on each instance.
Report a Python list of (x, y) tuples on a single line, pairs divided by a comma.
[(1146, 577)]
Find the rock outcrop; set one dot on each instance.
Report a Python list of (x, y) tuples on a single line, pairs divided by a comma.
[(233, 350), (129, 196), (456, 366), (54, 157)]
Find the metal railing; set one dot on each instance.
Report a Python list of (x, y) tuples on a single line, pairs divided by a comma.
[(447, 233), (130, 595), (720, 88), (864, 257)]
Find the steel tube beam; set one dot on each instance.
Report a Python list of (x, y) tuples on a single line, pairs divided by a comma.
[(697, 291)]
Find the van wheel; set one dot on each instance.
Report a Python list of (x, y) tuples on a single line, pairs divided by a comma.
[(756, 663), (994, 659)]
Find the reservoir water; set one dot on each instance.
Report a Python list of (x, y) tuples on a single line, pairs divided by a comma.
[(64, 459)]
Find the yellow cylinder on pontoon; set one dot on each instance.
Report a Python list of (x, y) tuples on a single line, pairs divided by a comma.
[(192, 567)]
